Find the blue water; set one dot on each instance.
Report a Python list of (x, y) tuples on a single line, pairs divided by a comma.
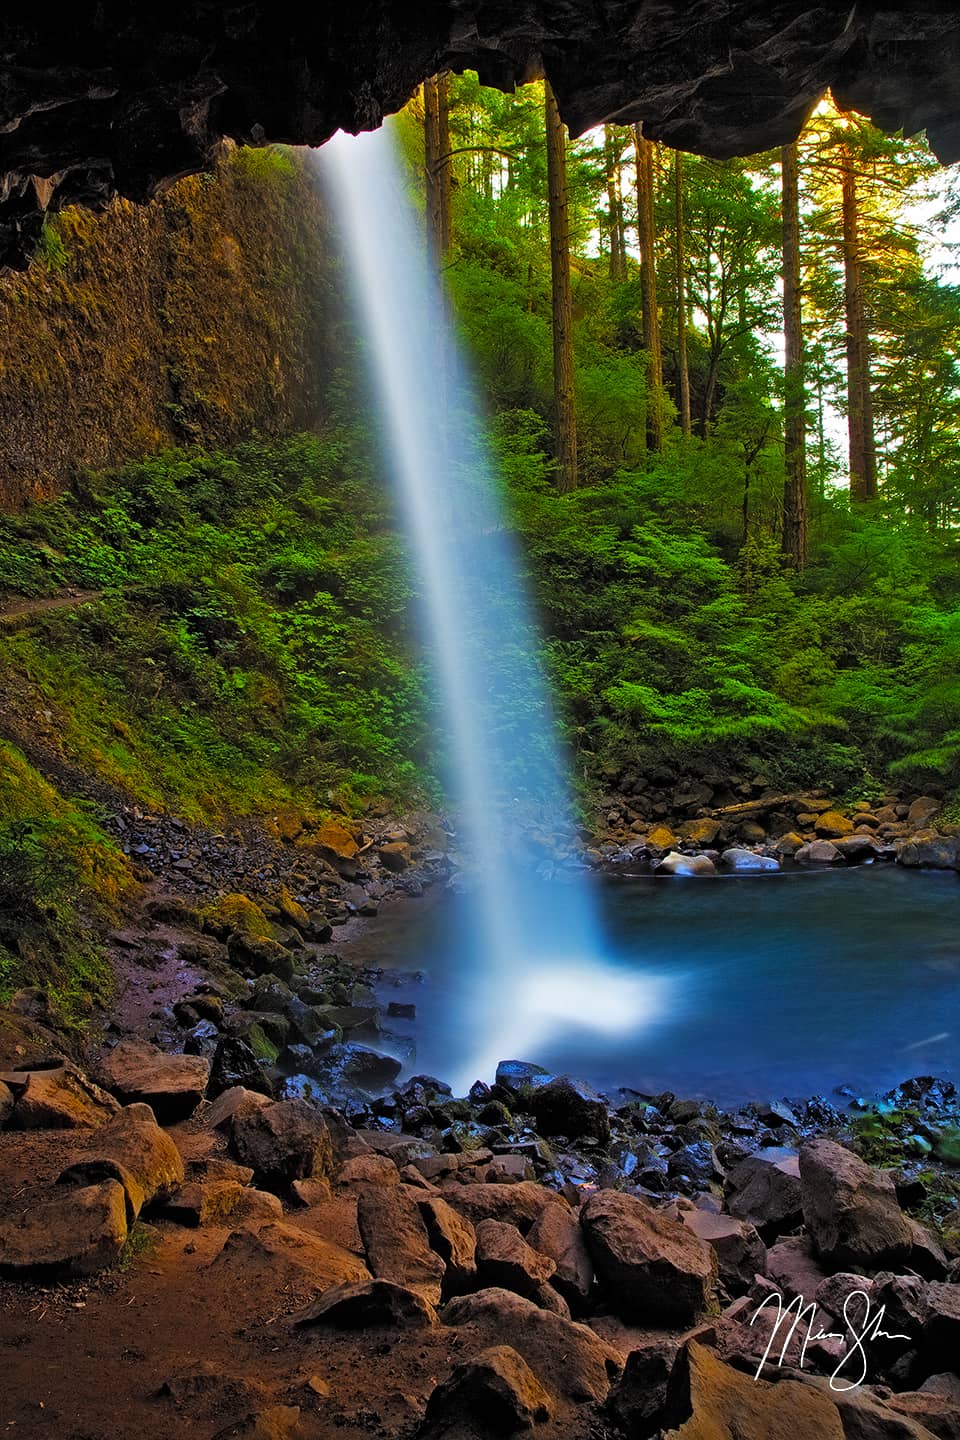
[(756, 987)]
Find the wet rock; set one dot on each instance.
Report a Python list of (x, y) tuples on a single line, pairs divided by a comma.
[(283, 1142), (369, 1305), (518, 1204), (930, 850), (513, 1075), (60, 1098), (505, 1260), (741, 1254), (676, 864), (709, 1400), (256, 955), (234, 1063), (857, 848), (454, 1239), (746, 862), (564, 1106), (851, 1210), (210, 1202), (350, 1067), (564, 1355), (396, 1241), (172, 1085), (696, 1163), (133, 1150), (651, 1267), (819, 852), (557, 1233), (497, 1390), (71, 1232), (767, 1193)]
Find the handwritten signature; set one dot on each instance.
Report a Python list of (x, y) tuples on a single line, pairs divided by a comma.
[(800, 1316)]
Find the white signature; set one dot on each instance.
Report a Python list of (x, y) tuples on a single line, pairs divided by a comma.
[(799, 1314)]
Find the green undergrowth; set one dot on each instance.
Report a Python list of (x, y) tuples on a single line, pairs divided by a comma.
[(250, 646)]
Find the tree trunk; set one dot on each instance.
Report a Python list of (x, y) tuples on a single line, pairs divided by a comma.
[(863, 463), (795, 519), (680, 254), (563, 382), (618, 249), (646, 234), (436, 151)]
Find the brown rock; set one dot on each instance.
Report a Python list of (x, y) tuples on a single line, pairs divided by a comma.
[(556, 1232), (651, 1267), (368, 1170), (505, 1259), (367, 1305), (6, 1103), (206, 1392), (275, 1422), (283, 1142), (940, 1344), (789, 843), (700, 832), (133, 1150), (740, 1252), (75, 1231), (172, 1085), (661, 838), (819, 852), (281, 1260), (793, 1268), (497, 1389), (637, 1401), (922, 811), (395, 855), (214, 1167), (767, 1193), (935, 1405), (256, 1207), (564, 1356), (292, 911), (310, 1192), (724, 1404), (210, 1202), (235, 1103), (396, 1241), (851, 1210), (864, 1417), (454, 1239), (62, 1098), (334, 840), (518, 1204)]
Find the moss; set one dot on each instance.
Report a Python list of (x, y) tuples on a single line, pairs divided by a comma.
[(232, 913)]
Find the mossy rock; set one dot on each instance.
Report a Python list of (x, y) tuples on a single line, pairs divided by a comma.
[(947, 1145), (235, 915)]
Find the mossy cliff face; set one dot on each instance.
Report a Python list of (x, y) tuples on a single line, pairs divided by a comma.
[(196, 318)]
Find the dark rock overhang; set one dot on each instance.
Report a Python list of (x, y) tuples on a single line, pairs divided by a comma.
[(109, 97)]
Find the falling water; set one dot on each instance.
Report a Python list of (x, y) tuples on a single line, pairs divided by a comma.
[(532, 947)]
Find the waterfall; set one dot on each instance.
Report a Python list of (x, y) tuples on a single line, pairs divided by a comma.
[(532, 949)]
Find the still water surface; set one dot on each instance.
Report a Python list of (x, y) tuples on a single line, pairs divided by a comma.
[(754, 987)]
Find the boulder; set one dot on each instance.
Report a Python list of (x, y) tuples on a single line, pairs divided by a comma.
[(819, 852), (850, 1209), (922, 811), (367, 1170), (793, 1268), (454, 1239), (940, 1343), (256, 955), (564, 1106), (564, 1356), (741, 1254), (368, 1305), (133, 1150), (556, 1232), (255, 1207), (930, 850), (71, 1232), (661, 838), (831, 825), (651, 1267), (514, 1075), (518, 1204), (233, 1064), (395, 855), (204, 1202), (6, 1104), (858, 847), (283, 1142), (61, 1099), (172, 1085), (788, 844), (637, 1400), (497, 1389), (237, 1103), (677, 864), (280, 1259), (709, 1400), (292, 911), (700, 832), (747, 862), (767, 1193), (396, 1241), (505, 1260)]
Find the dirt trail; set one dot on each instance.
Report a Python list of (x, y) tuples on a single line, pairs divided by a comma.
[(11, 610)]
